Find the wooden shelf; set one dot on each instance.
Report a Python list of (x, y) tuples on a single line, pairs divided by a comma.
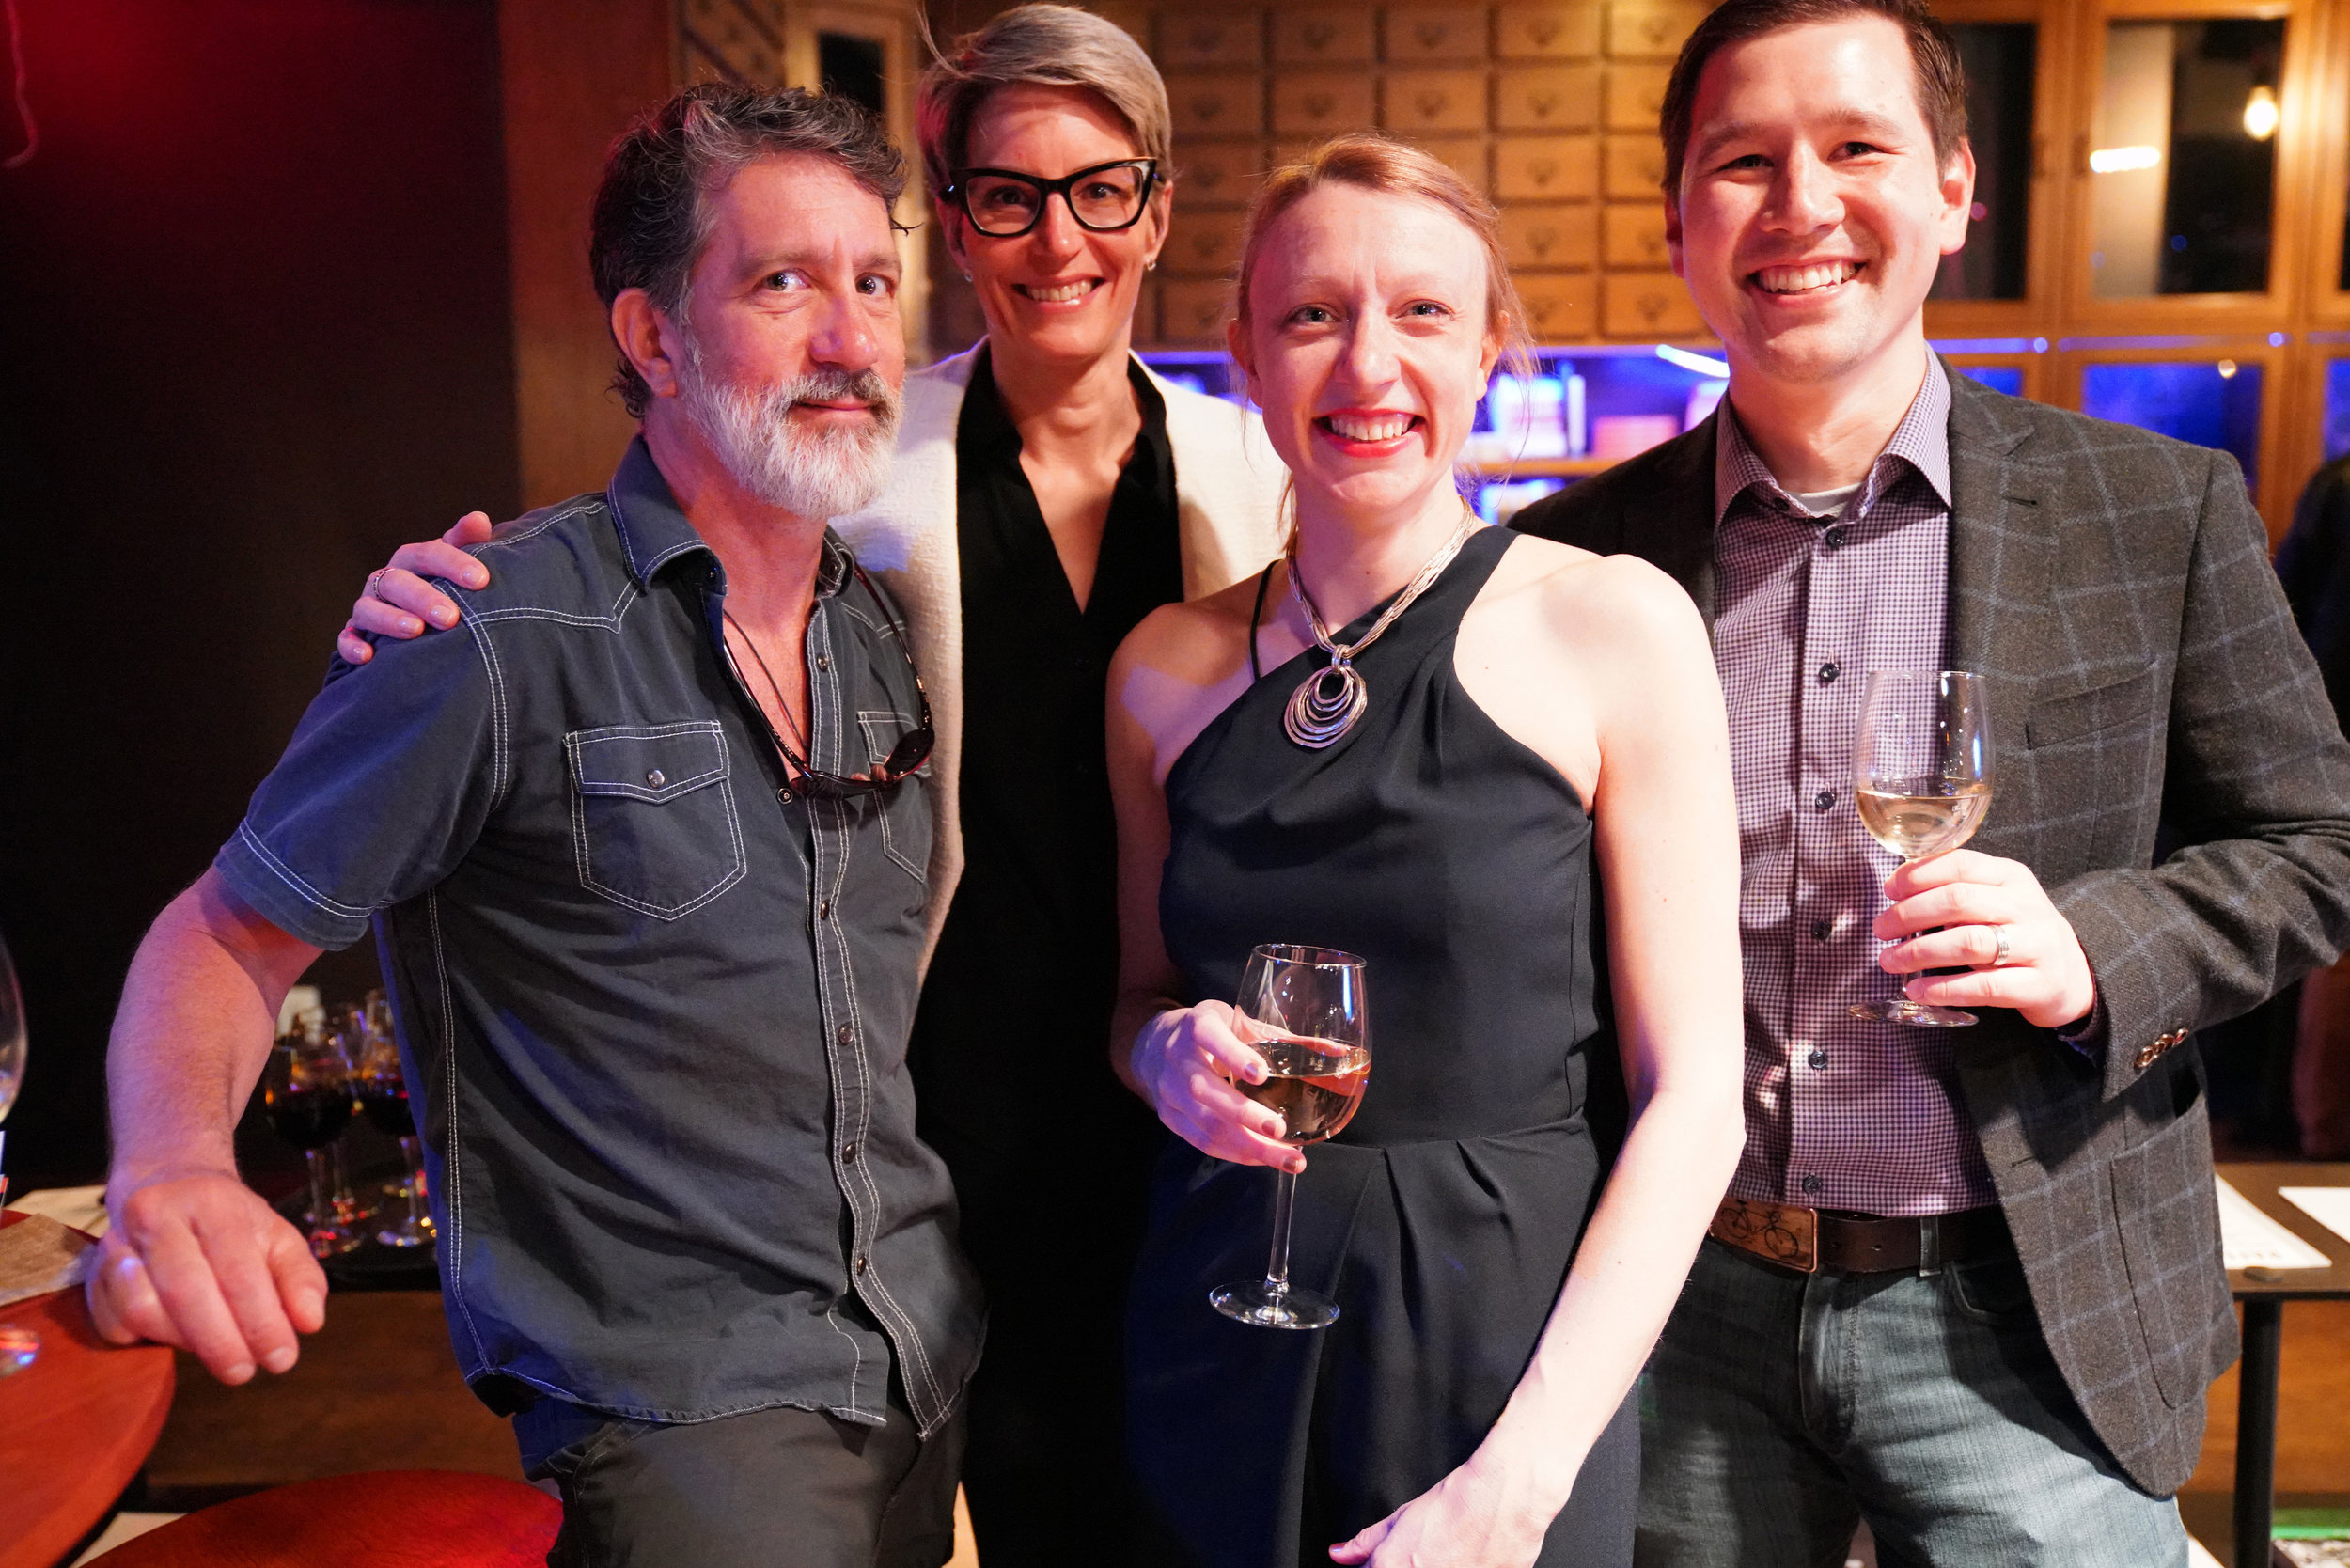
[(1543, 468)]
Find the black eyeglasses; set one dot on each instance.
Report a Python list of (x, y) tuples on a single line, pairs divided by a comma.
[(905, 759), (1004, 203)]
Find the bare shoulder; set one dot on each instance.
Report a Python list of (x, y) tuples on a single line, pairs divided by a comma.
[(1197, 641), (1594, 602)]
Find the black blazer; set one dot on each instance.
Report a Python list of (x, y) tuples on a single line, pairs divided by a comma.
[(2114, 587)]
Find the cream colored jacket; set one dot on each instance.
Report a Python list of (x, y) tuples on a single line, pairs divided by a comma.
[(1228, 496)]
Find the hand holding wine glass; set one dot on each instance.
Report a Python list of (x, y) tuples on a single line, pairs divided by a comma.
[(1303, 1010), (1921, 781)]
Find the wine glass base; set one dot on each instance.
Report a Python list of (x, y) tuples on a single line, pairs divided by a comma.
[(19, 1349), (1255, 1301), (331, 1241), (407, 1235), (1906, 1011)]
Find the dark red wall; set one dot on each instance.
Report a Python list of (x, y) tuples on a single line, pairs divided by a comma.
[(254, 330)]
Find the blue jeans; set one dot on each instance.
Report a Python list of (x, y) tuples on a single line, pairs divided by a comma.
[(1782, 1408)]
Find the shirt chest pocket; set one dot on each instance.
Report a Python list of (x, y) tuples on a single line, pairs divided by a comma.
[(654, 825)]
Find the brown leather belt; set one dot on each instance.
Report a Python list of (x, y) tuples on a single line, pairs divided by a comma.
[(1809, 1240)]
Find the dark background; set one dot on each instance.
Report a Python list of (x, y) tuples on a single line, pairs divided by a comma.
[(253, 332)]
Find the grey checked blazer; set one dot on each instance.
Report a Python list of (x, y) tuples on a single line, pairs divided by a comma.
[(2114, 587)]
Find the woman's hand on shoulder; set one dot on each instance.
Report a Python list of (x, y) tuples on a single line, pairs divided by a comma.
[(399, 601), (1186, 1061)]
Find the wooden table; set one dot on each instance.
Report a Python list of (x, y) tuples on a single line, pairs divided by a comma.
[(2265, 1293), (74, 1427)]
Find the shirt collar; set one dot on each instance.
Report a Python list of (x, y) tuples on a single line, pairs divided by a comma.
[(1922, 441), (654, 530)]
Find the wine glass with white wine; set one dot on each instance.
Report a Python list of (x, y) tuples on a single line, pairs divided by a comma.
[(1303, 1009), (1921, 779)]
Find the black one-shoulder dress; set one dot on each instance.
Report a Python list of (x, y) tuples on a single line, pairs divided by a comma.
[(1444, 1218)]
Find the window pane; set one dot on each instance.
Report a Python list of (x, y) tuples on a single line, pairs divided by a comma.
[(1999, 378), (1998, 57), (852, 67), (2183, 158), (2212, 404), (2337, 408)]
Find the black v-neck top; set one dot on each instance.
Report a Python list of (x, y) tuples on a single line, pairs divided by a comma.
[(1012, 1035)]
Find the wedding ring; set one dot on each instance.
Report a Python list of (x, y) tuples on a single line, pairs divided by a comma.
[(375, 578), (2005, 954)]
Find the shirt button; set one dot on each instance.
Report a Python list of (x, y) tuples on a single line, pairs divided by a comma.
[(1834, 538), (656, 779), (1823, 930), (824, 909), (783, 795), (1812, 1185), (823, 661), (1825, 799), (1829, 671), (845, 1034), (1817, 1059), (848, 1153), (860, 1268)]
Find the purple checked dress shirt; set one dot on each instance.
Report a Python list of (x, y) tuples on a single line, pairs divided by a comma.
[(1841, 1113)]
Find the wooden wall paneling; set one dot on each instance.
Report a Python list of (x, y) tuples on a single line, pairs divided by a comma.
[(1545, 168), (1194, 313), (1131, 16), (741, 39), (1463, 155), (1547, 31), (1433, 103), (1560, 307), (1203, 242), (1323, 35), (1228, 103), (1647, 304), (1318, 104), (1651, 30), (2319, 117), (1548, 236), (1219, 173), (1636, 93), (1632, 169), (572, 74), (1546, 98), (1634, 236), (1436, 35), (1198, 40)]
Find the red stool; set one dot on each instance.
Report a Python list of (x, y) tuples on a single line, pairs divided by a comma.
[(379, 1519)]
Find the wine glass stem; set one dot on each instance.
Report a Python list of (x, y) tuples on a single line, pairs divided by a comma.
[(413, 1150), (1277, 1269), (321, 1201)]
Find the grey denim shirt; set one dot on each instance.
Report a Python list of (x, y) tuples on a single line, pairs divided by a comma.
[(653, 1005)]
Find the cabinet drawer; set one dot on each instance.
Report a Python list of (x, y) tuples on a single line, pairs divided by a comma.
[(1636, 96), (1559, 309), (1647, 304), (1320, 103), (1545, 236), (1546, 98), (1219, 173), (1204, 243), (1221, 105), (1634, 236), (1545, 32), (1649, 29), (1426, 34), (1423, 102), (1194, 312), (1546, 169), (1193, 40), (1632, 167), (1319, 35), (1463, 155)]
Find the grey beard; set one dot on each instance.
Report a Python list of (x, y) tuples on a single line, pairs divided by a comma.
[(804, 471)]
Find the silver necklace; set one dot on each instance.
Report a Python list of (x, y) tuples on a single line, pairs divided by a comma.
[(1329, 701)]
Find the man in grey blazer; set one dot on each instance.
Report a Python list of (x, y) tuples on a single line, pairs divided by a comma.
[(1967, 1284)]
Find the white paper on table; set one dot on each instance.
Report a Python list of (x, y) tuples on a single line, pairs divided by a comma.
[(2249, 1239), (2328, 1206)]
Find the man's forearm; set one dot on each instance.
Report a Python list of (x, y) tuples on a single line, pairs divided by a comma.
[(199, 1009)]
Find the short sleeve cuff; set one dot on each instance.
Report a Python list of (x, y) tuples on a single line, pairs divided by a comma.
[(279, 894)]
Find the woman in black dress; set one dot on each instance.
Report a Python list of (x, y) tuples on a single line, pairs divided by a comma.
[(1533, 715)]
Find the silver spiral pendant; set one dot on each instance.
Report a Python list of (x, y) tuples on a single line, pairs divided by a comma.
[(1326, 705)]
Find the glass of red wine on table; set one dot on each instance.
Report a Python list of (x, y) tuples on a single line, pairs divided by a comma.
[(383, 1096), (306, 1095), (1304, 1011)]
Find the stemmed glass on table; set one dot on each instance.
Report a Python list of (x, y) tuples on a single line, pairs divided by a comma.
[(1304, 1011), (384, 1095), (306, 1094), (18, 1346), (1921, 781)]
